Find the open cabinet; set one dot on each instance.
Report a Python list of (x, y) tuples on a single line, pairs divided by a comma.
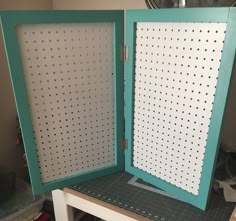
[(67, 71)]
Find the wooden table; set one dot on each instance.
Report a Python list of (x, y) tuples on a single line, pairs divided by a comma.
[(65, 200), (117, 198)]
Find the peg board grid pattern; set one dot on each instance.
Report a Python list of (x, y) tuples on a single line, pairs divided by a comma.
[(68, 70), (176, 72)]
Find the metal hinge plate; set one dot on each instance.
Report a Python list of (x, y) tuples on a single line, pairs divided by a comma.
[(124, 53)]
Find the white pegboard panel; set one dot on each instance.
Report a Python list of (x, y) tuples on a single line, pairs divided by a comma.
[(176, 72), (68, 70)]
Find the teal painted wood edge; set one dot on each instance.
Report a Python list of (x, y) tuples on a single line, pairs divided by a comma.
[(19, 89), (222, 89), (118, 38), (9, 19), (129, 90), (179, 15), (184, 15), (75, 179), (61, 16)]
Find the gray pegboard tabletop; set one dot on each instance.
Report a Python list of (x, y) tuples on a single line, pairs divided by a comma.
[(141, 198)]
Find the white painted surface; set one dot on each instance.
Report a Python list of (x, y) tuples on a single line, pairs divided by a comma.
[(60, 199), (68, 69), (176, 72), (62, 211)]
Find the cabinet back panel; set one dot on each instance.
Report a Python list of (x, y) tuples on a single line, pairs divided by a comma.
[(176, 72)]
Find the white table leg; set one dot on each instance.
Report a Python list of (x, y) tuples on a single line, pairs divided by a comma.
[(63, 212)]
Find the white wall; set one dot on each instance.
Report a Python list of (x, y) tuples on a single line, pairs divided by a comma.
[(10, 154), (25, 4), (98, 4)]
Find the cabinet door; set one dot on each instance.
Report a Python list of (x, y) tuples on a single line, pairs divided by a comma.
[(67, 78), (178, 75)]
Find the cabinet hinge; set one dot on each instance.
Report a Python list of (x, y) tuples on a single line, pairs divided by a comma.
[(124, 53), (124, 144)]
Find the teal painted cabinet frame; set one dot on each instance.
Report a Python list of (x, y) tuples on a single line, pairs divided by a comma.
[(9, 20), (223, 15)]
